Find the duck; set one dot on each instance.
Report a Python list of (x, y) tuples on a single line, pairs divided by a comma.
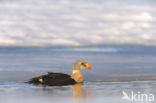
[(61, 79)]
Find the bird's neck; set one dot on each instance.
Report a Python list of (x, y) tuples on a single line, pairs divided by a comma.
[(76, 72), (77, 76)]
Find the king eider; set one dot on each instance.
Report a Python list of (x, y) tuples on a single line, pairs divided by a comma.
[(60, 79)]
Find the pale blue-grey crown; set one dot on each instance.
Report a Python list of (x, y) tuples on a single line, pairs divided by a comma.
[(77, 64)]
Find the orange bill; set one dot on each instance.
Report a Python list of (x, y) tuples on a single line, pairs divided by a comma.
[(88, 66)]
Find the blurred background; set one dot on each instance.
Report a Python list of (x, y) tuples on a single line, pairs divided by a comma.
[(42, 23)]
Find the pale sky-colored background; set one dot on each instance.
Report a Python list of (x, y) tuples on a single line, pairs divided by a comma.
[(77, 22)]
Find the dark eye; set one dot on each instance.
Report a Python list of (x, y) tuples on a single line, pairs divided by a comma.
[(83, 64)]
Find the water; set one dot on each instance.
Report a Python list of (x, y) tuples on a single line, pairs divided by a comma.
[(89, 92), (116, 69), (110, 63)]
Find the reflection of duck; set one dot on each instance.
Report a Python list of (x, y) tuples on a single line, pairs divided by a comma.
[(59, 79), (78, 91), (80, 94)]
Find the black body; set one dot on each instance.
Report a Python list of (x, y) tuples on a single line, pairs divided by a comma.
[(53, 79)]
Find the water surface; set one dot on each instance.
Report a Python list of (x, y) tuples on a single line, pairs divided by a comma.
[(116, 69)]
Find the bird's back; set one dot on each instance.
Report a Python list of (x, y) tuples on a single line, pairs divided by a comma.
[(53, 79)]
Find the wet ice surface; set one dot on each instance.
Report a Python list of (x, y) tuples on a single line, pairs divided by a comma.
[(133, 65), (89, 92)]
